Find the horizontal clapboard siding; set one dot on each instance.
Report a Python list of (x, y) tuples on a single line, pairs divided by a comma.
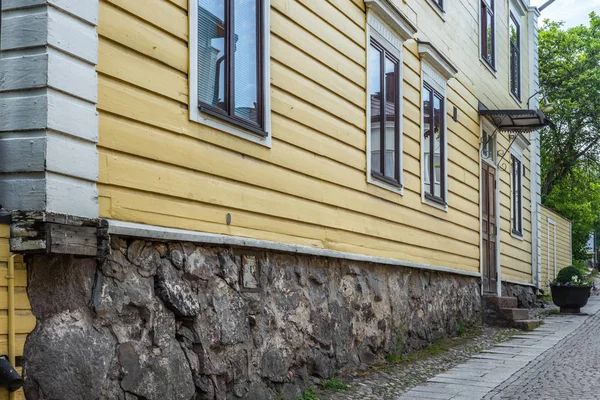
[(458, 38), (157, 167)]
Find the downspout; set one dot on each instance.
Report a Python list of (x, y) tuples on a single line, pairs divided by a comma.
[(11, 314)]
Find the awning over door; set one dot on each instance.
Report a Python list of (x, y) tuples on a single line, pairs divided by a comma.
[(516, 121)]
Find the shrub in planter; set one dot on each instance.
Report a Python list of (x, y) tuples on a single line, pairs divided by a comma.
[(570, 290)]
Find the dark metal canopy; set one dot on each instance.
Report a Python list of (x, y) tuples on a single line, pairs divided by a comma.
[(516, 121)]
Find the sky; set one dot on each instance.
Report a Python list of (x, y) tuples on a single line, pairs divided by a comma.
[(573, 12)]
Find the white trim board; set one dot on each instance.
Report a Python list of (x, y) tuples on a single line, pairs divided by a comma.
[(553, 223), (153, 232), (519, 283)]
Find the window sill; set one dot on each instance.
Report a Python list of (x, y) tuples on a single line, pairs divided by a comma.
[(517, 235), (385, 183), (489, 67), (439, 11), (210, 119), (436, 202), (256, 130)]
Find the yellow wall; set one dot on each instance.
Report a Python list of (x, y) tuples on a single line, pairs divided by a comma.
[(562, 244), (158, 167), (25, 321), (458, 38)]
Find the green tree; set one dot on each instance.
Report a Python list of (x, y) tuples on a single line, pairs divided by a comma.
[(570, 78), (577, 197)]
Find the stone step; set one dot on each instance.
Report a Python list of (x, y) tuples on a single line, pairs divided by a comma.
[(526, 324), (514, 314), (498, 302)]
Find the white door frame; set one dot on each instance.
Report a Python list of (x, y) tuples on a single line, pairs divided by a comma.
[(489, 128)]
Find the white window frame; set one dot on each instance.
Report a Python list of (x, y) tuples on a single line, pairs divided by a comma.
[(494, 69), (213, 122), (430, 76), (518, 10), (516, 150), (377, 30)]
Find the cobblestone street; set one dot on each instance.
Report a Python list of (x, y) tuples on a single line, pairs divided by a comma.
[(559, 360)]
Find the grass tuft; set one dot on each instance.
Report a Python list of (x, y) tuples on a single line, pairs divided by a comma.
[(309, 394), (334, 384)]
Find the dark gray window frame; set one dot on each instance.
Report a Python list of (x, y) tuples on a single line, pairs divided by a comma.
[(443, 179), (488, 55), (228, 115), (517, 195), (515, 59), (395, 180)]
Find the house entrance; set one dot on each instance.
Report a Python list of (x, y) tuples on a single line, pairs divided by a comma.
[(488, 227)]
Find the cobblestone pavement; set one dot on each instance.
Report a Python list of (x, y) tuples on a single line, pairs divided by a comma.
[(559, 360), (389, 380), (570, 370)]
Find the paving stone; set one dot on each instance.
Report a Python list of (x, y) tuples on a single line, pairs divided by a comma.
[(559, 360)]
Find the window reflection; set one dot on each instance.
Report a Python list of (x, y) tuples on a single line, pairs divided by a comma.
[(384, 97), (211, 52)]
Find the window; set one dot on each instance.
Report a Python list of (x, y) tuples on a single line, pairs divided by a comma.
[(384, 101), (488, 144), (515, 56), (517, 196), (488, 35), (434, 138), (439, 3), (228, 72), (387, 28)]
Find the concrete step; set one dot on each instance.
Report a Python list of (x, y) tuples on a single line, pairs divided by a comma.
[(514, 314), (498, 302), (526, 324)]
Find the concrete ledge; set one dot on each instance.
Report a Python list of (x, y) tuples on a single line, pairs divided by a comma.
[(161, 233)]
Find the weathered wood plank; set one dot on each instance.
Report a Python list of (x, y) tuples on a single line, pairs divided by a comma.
[(64, 239)]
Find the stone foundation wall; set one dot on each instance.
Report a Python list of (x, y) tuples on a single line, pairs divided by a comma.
[(525, 294), (182, 321)]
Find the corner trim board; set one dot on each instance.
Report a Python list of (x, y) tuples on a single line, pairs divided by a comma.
[(161, 233)]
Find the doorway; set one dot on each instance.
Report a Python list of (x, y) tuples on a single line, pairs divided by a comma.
[(489, 230)]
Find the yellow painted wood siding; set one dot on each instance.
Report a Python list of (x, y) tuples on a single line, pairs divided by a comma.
[(457, 36), (562, 244), (24, 320), (158, 167)]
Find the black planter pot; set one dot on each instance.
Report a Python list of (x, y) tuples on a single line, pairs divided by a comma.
[(570, 299)]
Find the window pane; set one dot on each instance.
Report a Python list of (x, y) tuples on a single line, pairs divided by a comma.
[(390, 118), (513, 32), (427, 127), (246, 68), (374, 69), (211, 52), (490, 39), (437, 145)]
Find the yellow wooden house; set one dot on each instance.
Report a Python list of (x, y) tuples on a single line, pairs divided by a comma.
[(392, 138)]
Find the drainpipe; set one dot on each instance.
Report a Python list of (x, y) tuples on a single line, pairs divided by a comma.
[(11, 314), (9, 377)]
